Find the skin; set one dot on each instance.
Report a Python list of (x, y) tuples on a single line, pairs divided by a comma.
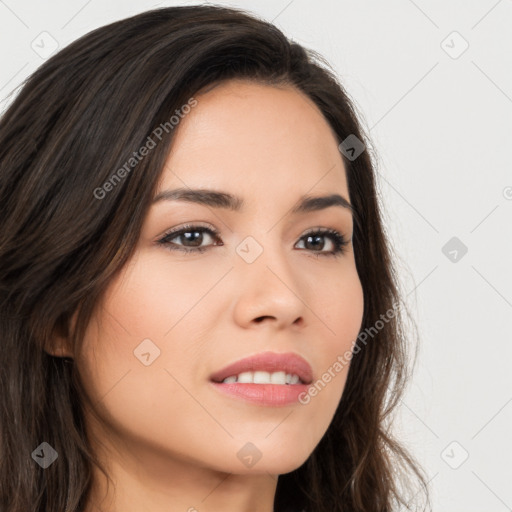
[(168, 439)]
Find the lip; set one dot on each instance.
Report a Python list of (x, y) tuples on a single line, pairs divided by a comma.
[(288, 362), (267, 395)]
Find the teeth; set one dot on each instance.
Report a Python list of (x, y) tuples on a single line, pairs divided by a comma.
[(291, 379), (245, 377), (263, 378), (278, 378)]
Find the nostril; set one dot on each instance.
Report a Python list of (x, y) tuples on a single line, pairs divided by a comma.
[(261, 318)]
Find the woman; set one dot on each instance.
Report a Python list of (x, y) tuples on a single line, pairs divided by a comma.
[(198, 301)]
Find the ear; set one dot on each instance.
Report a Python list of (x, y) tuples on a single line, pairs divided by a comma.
[(59, 345), (59, 350)]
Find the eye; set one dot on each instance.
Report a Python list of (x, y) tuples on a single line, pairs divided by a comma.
[(192, 237), (190, 234), (338, 241)]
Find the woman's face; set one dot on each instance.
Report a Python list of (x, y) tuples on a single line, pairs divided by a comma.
[(173, 319)]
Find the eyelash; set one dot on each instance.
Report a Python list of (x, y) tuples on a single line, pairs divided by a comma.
[(338, 239)]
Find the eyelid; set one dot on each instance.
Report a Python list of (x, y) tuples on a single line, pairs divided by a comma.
[(338, 238), (201, 224), (188, 226)]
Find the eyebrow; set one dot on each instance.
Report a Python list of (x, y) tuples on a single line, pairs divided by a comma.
[(219, 199)]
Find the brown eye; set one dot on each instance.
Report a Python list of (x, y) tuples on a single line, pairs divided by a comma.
[(314, 240), (191, 238)]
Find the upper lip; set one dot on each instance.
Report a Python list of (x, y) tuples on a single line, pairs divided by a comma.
[(268, 362)]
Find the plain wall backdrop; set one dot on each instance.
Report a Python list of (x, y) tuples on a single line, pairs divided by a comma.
[(433, 84)]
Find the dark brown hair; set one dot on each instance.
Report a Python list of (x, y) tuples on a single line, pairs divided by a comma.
[(76, 120)]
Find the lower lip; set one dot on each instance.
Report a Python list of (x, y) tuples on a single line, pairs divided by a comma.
[(271, 395)]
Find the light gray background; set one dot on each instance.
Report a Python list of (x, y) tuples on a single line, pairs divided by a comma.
[(441, 124)]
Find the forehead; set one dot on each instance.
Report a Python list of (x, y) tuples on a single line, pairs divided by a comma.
[(248, 136)]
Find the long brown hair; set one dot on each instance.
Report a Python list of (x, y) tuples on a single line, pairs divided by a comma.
[(76, 120)]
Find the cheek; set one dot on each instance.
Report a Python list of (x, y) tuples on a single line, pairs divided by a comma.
[(156, 295), (143, 303), (344, 313), (341, 311), (135, 400), (339, 305)]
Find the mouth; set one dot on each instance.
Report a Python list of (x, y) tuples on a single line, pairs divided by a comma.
[(261, 377), (266, 368), (268, 379)]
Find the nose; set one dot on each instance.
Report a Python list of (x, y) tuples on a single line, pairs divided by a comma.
[(268, 291)]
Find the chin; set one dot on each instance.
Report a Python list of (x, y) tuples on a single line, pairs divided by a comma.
[(270, 461)]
